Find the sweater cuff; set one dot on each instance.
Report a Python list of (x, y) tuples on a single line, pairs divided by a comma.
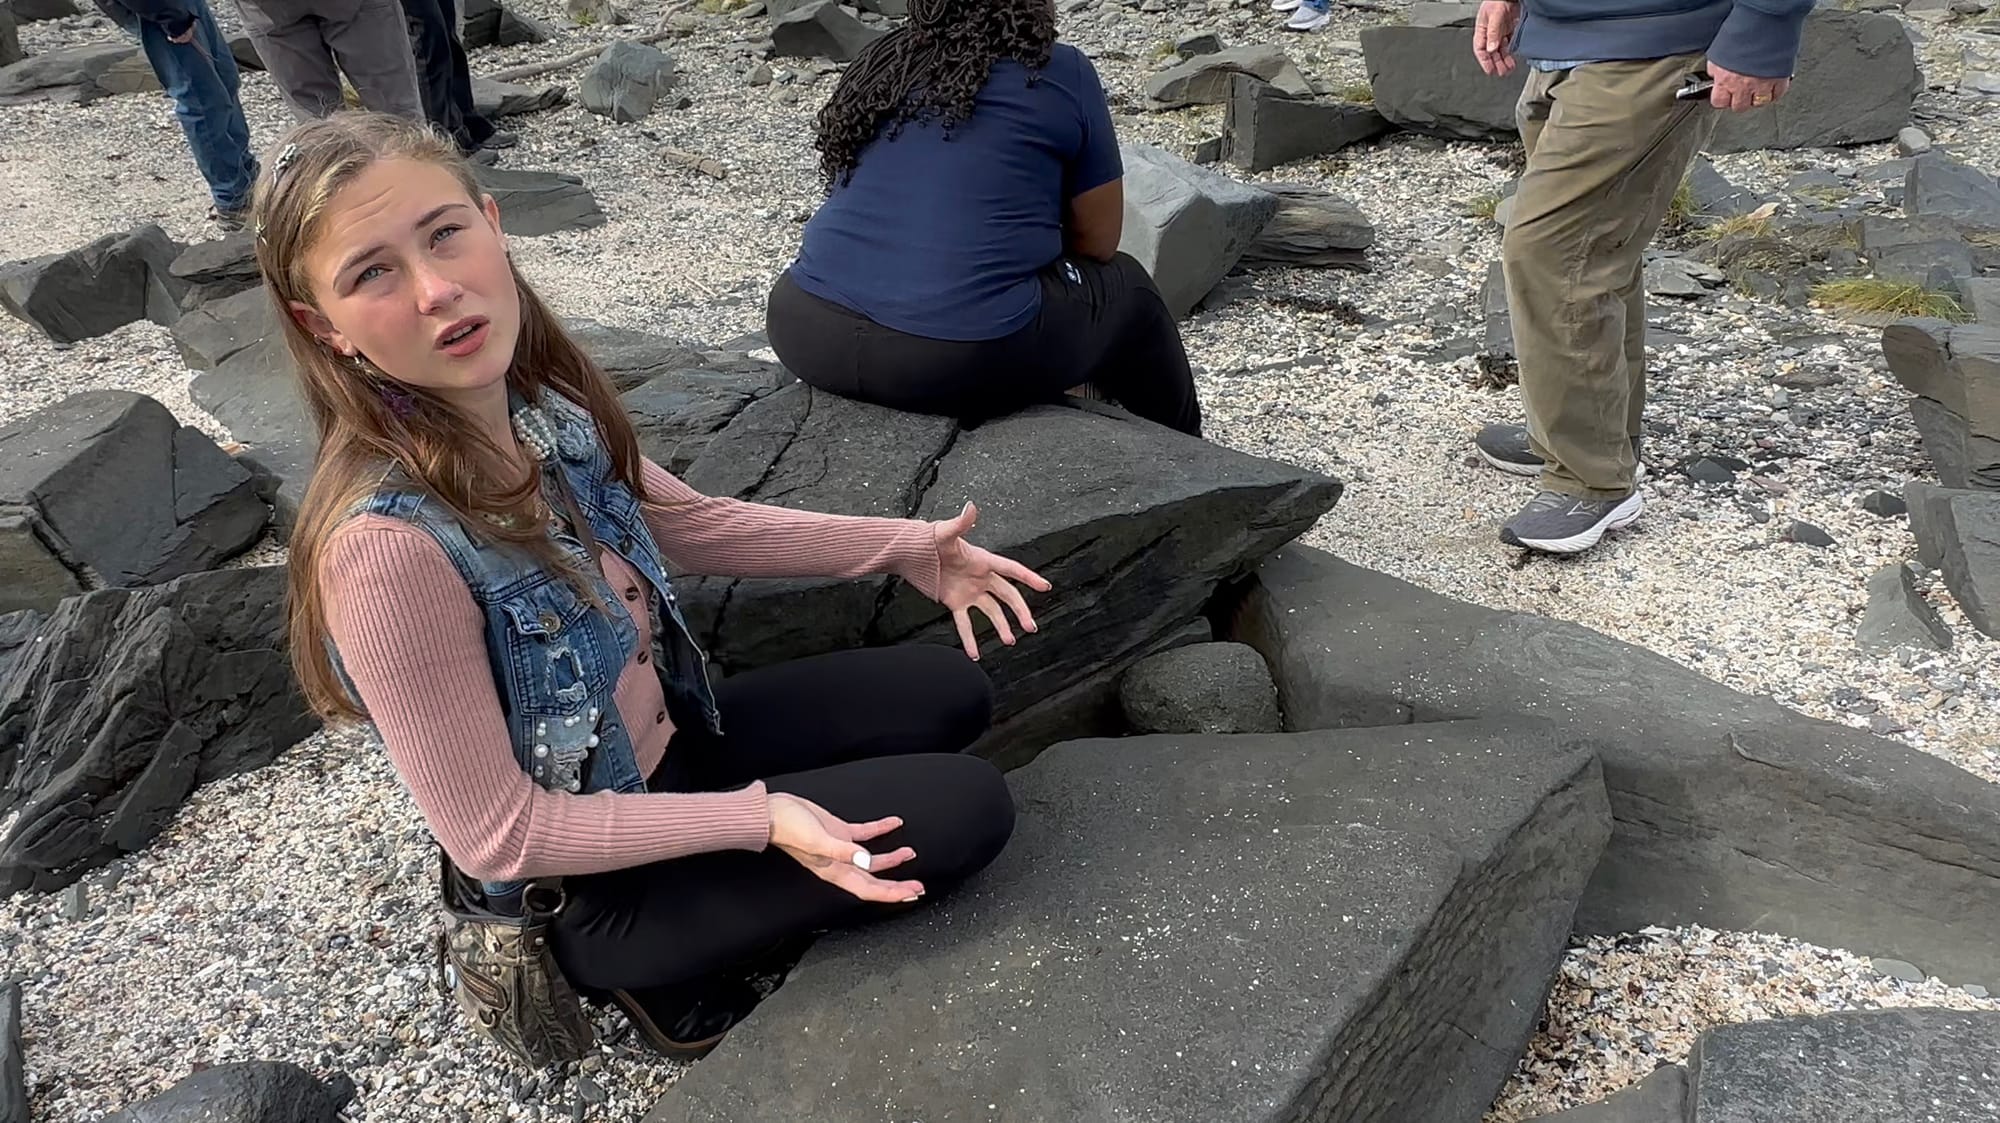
[(747, 823), (1759, 44), (913, 556)]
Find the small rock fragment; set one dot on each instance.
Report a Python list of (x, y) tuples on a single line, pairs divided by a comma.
[(1806, 534), (1897, 969), (1884, 504)]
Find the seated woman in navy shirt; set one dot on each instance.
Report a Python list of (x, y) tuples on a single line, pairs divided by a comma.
[(966, 260)]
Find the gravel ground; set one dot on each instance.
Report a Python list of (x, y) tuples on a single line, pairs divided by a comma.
[(1343, 372)]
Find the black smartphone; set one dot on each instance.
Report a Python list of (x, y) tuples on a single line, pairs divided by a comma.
[(1696, 88)]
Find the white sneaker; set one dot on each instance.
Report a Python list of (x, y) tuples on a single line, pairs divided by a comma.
[(1284, 5), (1306, 19)]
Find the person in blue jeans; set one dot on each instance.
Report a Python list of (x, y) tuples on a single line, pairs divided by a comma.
[(966, 261), (1307, 15), (192, 60)]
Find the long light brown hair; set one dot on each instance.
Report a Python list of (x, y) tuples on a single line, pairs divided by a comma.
[(368, 423)]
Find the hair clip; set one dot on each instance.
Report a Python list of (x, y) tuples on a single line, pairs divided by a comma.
[(285, 158)]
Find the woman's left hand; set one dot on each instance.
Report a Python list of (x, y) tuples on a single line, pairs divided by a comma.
[(970, 577)]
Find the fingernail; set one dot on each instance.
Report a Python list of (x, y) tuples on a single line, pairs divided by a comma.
[(862, 858), (911, 898)]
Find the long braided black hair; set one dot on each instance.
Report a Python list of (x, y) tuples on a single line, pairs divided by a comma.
[(929, 69)]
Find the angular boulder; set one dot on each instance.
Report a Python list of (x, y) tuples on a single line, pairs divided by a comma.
[(97, 288), (1982, 299), (1134, 524), (1732, 811), (1187, 225), (1335, 926), (1927, 250), (821, 29), (533, 203), (245, 1092), (1857, 1066), (1715, 198), (113, 483), (679, 412), (10, 49), (1207, 79), (1201, 688), (128, 701), (1938, 185), (1954, 369), (511, 99), (217, 269), (79, 75), (626, 81), (490, 23), (1263, 127), (1312, 227), (1854, 83), (1426, 80), (1958, 534), (1898, 616)]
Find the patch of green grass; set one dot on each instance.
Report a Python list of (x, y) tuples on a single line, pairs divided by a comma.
[(1754, 225), (1878, 296), (1485, 206), (1830, 194), (1358, 93), (1161, 51), (1681, 209)]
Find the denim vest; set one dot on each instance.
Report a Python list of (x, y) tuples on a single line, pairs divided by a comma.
[(555, 659)]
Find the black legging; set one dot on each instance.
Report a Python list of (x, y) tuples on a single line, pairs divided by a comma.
[(1101, 322), (865, 734)]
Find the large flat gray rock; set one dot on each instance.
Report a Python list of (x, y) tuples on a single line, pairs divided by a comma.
[(1855, 81), (679, 412), (245, 1092), (1263, 127), (127, 701), (1355, 925), (1207, 79), (1426, 80), (1732, 811), (117, 486), (1954, 371), (533, 203), (490, 23), (1186, 224), (821, 29), (1939, 185), (96, 288), (1861, 1066), (78, 75), (509, 99), (1312, 227), (1660, 1098), (1958, 533), (1134, 524)]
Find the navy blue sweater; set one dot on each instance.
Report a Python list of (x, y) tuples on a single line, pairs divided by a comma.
[(1759, 38)]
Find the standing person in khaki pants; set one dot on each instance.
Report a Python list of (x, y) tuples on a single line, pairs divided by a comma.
[(308, 44), (1608, 143)]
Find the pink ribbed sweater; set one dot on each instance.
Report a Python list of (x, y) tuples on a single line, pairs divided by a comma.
[(414, 642)]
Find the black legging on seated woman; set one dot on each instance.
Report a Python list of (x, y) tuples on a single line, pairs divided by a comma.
[(865, 734), (1101, 323)]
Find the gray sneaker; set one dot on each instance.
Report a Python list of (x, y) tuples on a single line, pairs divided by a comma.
[(1554, 523), (1506, 447)]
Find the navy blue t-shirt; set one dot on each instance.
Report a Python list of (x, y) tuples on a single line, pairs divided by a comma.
[(942, 238)]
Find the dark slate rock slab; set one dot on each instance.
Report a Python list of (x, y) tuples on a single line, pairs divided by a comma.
[(510, 99), (118, 485), (79, 75), (217, 269), (1135, 525), (1660, 1098), (1312, 227), (1263, 127), (1941, 186), (1927, 250), (245, 1092), (132, 698), (1733, 812), (627, 81), (489, 23), (1898, 616), (10, 53), (97, 288), (13, 1082), (36, 576), (1202, 688), (1958, 534), (821, 29), (1209, 79), (1954, 369), (208, 335), (1982, 299), (29, 11), (677, 413), (1425, 79), (632, 358), (1715, 197), (1339, 925), (1499, 318), (1426, 13), (1855, 81), (533, 203), (1186, 224), (1859, 1066)]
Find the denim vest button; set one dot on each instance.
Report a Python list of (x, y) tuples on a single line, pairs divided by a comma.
[(548, 621)]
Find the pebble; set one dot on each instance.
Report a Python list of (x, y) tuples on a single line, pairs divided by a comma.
[(1884, 504), (1807, 534), (1897, 969)]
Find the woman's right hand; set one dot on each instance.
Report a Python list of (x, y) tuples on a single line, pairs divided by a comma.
[(827, 845)]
